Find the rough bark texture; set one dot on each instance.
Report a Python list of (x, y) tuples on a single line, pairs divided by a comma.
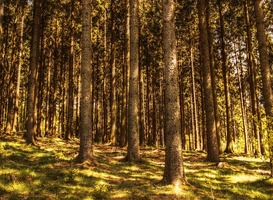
[(173, 172), (32, 81), (86, 151), (265, 71), (133, 125), (212, 144)]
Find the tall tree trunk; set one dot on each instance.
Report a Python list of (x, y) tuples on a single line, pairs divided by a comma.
[(86, 151), (105, 96), (113, 133), (174, 170), (225, 71), (32, 81), (212, 144), (242, 103), (252, 81), (126, 66), (133, 109), (265, 71), (70, 99), (17, 94), (213, 77)]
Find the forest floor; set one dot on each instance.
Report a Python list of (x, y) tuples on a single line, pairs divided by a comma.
[(47, 171)]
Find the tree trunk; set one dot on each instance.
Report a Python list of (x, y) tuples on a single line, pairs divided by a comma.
[(70, 99), (17, 94), (213, 77), (133, 109), (126, 66), (265, 72), (32, 81), (225, 71), (174, 170), (113, 133), (252, 79), (212, 144), (86, 151)]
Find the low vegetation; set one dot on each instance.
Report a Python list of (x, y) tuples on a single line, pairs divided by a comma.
[(47, 171)]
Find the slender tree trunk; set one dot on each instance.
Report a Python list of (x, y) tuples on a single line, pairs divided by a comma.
[(225, 71), (174, 170), (17, 94), (133, 109), (242, 102), (70, 99), (32, 81), (113, 133), (126, 66), (213, 77), (212, 144), (86, 149), (105, 96), (265, 72), (252, 79)]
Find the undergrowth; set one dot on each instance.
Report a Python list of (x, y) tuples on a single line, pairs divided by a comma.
[(49, 172)]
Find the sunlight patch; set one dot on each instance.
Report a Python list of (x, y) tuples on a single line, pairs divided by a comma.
[(242, 178)]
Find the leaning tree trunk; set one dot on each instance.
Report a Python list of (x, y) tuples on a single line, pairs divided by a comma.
[(174, 171), (212, 144), (133, 124), (265, 71), (86, 151)]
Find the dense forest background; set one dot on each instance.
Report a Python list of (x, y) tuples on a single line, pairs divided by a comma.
[(234, 59)]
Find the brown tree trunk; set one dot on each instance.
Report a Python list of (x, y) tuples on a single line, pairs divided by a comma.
[(70, 99), (126, 66), (225, 71), (32, 81), (212, 144), (113, 100), (213, 77), (17, 94), (252, 79), (174, 170), (265, 72), (86, 151), (133, 107)]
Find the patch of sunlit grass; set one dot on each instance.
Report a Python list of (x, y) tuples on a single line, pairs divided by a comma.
[(243, 178)]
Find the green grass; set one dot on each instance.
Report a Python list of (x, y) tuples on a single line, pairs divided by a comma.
[(48, 172)]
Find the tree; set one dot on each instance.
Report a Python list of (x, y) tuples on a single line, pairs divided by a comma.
[(225, 71), (133, 107), (212, 144), (86, 151), (265, 72), (32, 81), (173, 171), (70, 106), (113, 85)]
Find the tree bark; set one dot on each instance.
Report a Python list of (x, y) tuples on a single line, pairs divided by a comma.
[(32, 81), (86, 151), (225, 71), (174, 170), (212, 144), (265, 72), (133, 109)]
